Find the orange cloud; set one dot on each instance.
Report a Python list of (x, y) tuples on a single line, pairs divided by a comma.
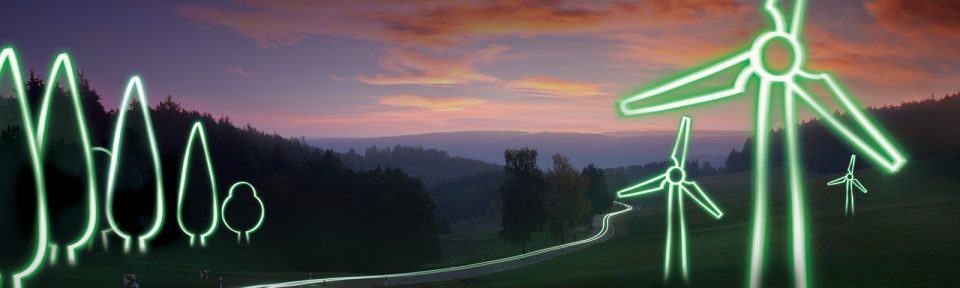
[(437, 23), (912, 44), (430, 103), (920, 19), (552, 87), (415, 30), (412, 66)]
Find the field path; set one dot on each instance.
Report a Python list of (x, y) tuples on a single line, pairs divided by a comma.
[(605, 232)]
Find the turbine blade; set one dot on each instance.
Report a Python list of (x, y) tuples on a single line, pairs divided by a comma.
[(649, 186), (701, 198), (837, 181), (770, 7), (859, 185), (869, 139), (679, 154), (853, 163), (799, 14), (695, 85)]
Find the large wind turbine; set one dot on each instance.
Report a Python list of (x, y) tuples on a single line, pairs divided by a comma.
[(849, 181), (674, 181), (699, 87)]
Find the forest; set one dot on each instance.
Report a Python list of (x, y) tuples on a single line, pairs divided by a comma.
[(920, 128), (354, 221)]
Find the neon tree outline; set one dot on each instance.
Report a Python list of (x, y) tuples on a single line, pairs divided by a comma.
[(674, 180), (751, 62), (8, 58), (184, 169), (63, 61), (263, 211), (134, 86), (850, 182)]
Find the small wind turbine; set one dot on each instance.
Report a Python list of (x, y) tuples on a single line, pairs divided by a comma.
[(850, 182), (674, 180)]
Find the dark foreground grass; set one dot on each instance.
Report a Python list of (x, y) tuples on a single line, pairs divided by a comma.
[(906, 233)]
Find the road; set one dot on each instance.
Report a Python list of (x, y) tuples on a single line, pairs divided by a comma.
[(466, 271)]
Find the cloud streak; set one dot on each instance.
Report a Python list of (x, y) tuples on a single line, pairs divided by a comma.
[(431, 103), (238, 71), (435, 23), (552, 87), (411, 66)]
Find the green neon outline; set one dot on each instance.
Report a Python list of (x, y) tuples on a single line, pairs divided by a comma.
[(64, 64), (53, 254), (881, 150), (8, 57), (603, 232), (134, 86), (676, 187), (263, 211), (184, 169), (850, 182)]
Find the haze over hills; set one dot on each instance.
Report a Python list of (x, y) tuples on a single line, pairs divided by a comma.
[(605, 150)]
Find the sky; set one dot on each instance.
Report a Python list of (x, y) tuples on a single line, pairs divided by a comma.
[(379, 68)]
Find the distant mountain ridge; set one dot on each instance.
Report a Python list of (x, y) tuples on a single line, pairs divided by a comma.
[(431, 166), (606, 150)]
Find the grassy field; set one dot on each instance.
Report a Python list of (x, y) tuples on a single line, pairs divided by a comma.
[(905, 234), (479, 241)]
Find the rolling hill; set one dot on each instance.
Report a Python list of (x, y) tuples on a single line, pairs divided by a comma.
[(604, 150)]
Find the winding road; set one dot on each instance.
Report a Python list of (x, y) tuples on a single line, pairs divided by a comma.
[(465, 271)]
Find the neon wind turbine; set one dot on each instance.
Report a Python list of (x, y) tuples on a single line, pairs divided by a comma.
[(849, 181), (675, 182), (694, 88), (796, 84)]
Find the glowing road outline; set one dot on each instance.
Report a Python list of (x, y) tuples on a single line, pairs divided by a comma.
[(850, 182), (263, 211), (134, 86), (196, 131), (600, 234), (674, 179), (8, 58), (63, 63), (751, 62)]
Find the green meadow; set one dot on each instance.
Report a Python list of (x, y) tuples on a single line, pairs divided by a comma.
[(904, 234)]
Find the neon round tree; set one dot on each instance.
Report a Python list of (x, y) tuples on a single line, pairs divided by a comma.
[(694, 88), (240, 231), (674, 181)]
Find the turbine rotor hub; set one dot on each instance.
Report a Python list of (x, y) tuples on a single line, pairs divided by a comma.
[(764, 52), (675, 175)]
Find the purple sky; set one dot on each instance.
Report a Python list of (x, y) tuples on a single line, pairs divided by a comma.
[(375, 68)]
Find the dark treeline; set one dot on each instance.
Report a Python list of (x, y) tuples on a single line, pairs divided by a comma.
[(320, 214), (432, 166), (621, 177), (921, 128), (467, 197), (559, 201), (475, 196)]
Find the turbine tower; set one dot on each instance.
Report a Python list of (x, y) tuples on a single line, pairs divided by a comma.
[(800, 87), (674, 181), (849, 181)]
